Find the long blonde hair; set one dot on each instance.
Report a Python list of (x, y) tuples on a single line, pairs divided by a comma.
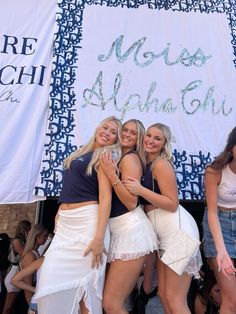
[(31, 242), (140, 135), (166, 152), (90, 146)]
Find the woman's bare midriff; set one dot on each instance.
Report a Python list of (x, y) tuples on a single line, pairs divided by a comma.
[(68, 206), (149, 207)]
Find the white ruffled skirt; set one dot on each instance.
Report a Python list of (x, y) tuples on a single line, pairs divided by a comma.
[(66, 276), (166, 223), (132, 236)]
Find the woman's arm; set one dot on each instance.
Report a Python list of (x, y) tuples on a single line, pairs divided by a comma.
[(165, 176), (130, 165), (96, 246), (19, 279), (27, 260), (212, 180)]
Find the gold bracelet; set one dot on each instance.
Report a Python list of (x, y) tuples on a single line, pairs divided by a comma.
[(115, 183)]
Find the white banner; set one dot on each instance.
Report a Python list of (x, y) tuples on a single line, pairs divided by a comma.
[(157, 61), (158, 66), (26, 36)]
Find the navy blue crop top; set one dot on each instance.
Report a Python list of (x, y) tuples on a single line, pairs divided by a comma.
[(147, 181), (77, 186), (117, 207)]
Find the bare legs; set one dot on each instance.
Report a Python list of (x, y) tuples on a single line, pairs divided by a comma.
[(173, 289), (121, 279), (10, 299)]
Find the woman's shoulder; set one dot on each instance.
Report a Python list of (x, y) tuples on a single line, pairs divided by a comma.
[(27, 259), (160, 163)]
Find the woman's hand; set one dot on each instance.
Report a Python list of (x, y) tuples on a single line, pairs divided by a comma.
[(108, 165), (96, 246), (132, 185), (225, 264)]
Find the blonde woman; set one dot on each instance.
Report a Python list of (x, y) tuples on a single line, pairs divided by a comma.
[(132, 235), (160, 198), (72, 275), (36, 237)]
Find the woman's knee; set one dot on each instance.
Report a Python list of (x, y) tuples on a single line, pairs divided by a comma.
[(110, 305)]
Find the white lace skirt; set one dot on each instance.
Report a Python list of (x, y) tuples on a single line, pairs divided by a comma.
[(132, 236), (66, 276), (166, 223)]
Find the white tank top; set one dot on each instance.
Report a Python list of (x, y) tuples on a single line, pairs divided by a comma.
[(227, 189)]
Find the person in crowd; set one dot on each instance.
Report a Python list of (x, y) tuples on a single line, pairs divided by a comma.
[(219, 222), (16, 250), (36, 237), (4, 265), (72, 275), (132, 235), (208, 297), (20, 280), (160, 198)]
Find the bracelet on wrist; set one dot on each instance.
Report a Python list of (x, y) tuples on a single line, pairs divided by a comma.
[(115, 183)]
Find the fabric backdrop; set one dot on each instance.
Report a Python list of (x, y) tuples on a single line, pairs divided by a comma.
[(26, 36), (158, 61), (169, 61)]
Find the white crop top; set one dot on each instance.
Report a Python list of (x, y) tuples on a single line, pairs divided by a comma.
[(227, 189)]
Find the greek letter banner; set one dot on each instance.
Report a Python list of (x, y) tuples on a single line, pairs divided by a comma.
[(158, 61), (26, 37)]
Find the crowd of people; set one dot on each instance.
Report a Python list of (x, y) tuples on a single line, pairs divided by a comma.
[(119, 217)]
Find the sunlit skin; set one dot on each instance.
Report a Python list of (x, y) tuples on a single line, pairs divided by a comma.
[(106, 134), (128, 136), (153, 141)]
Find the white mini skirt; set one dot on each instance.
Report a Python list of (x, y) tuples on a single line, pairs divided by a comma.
[(132, 236), (166, 223), (66, 275)]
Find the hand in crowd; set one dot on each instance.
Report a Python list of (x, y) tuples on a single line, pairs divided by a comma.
[(225, 264), (132, 185)]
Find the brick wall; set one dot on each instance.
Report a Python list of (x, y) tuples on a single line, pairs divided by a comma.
[(11, 214)]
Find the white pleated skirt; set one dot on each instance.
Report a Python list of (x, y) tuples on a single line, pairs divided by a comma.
[(166, 223), (132, 236), (66, 276)]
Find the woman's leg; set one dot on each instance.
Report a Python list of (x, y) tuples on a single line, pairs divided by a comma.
[(148, 271), (161, 285), (176, 291), (120, 281), (9, 301), (83, 308), (227, 286)]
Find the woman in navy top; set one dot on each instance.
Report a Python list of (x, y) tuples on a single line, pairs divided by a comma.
[(72, 274), (132, 235)]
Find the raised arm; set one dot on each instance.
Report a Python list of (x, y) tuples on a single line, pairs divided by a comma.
[(130, 165), (165, 176)]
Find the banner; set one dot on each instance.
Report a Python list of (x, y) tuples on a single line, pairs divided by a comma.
[(26, 37), (158, 61)]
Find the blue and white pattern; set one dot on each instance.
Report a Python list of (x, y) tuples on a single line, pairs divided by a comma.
[(61, 136)]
